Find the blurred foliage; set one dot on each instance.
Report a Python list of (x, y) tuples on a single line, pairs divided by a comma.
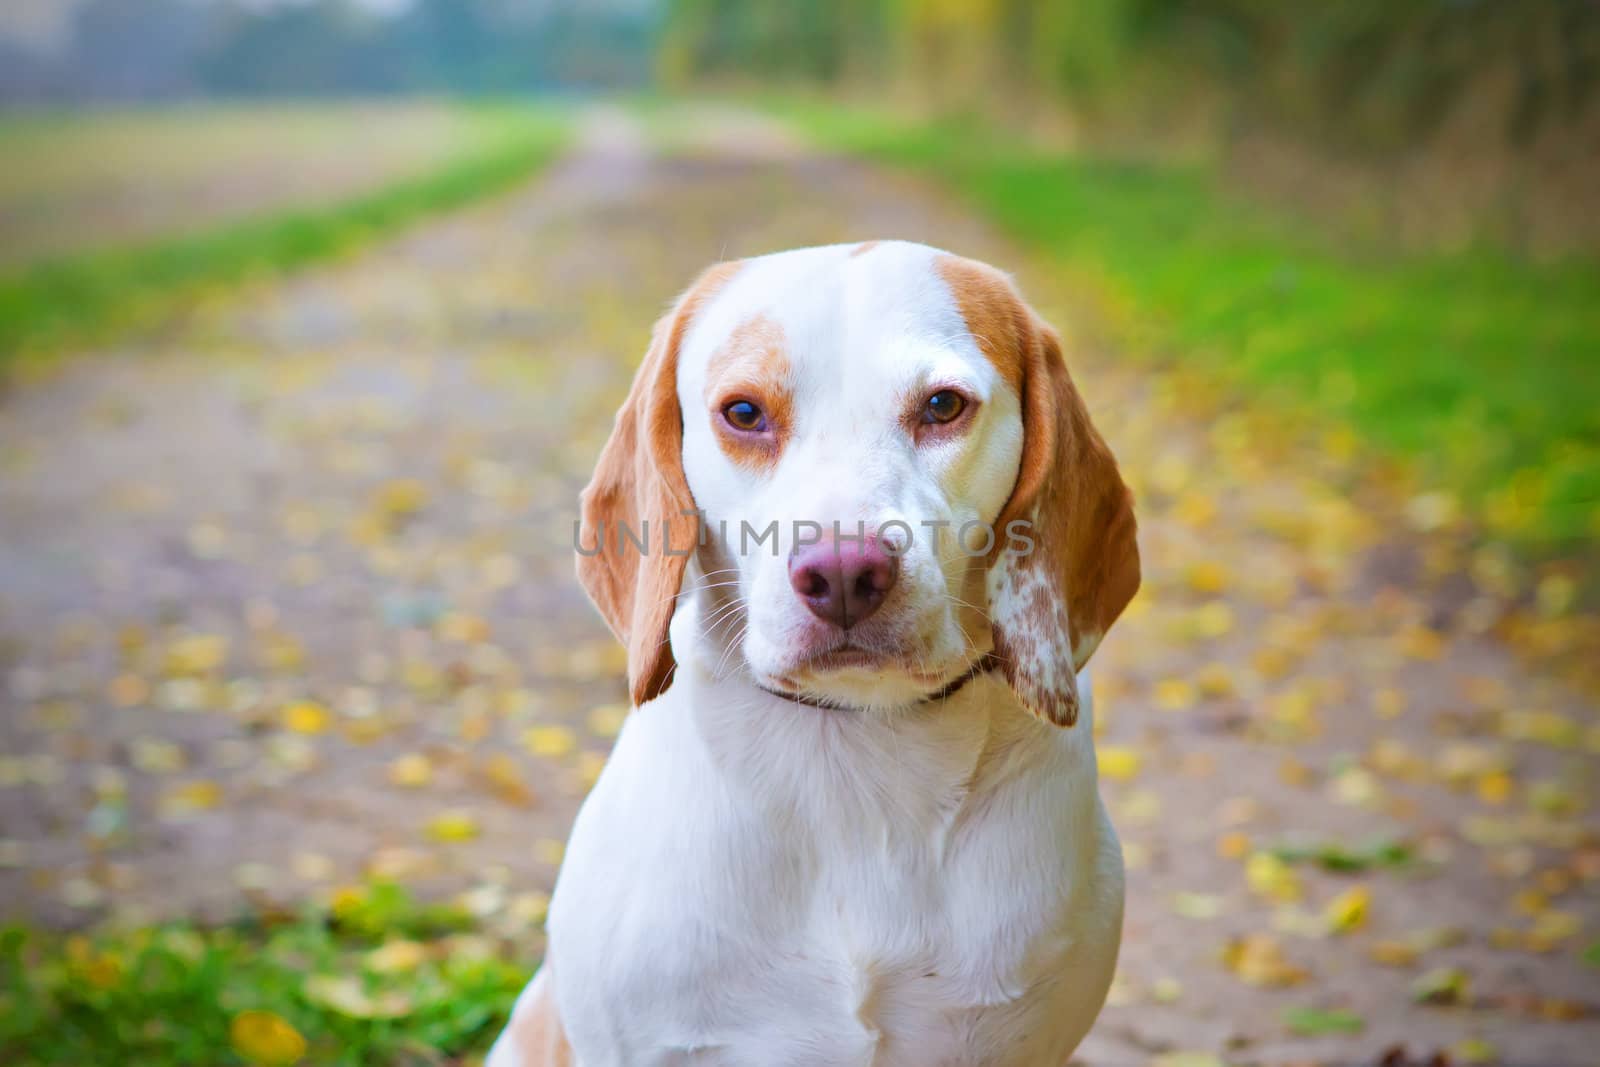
[(46, 307), (163, 49), (374, 978), (1479, 368), (1365, 74)]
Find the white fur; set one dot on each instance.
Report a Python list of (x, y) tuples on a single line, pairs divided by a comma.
[(762, 882), (863, 334)]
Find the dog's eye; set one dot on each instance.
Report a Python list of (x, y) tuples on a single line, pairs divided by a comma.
[(944, 406), (743, 415)]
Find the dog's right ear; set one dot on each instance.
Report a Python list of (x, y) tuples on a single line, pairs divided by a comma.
[(639, 495)]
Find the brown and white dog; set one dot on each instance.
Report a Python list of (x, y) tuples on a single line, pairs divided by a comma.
[(860, 538)]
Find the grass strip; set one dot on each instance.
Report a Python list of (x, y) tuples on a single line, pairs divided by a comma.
[(376, 978), (78, 300), (1481, 371)]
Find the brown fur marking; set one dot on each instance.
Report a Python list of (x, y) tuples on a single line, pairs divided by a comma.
[(1067, 483), (752, 364), (995, 316), (638, 479)]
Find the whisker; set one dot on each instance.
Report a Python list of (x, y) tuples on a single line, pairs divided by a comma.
[(697, 587), (729, 649), (723, 613), (953, 599)]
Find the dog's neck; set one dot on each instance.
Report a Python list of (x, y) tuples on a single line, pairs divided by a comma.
[(910, 766)]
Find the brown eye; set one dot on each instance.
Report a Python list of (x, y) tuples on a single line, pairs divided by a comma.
[(743, 415), (944, 406)]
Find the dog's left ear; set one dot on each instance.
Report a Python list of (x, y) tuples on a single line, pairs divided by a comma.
[(1056, 587), (639, 495)]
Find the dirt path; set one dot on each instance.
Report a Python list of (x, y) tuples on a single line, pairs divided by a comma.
[(286, 600)]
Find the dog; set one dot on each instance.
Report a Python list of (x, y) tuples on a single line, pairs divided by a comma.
[(854, 818)]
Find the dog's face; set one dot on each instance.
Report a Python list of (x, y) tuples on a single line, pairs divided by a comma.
[(892, 475), (842, 398)]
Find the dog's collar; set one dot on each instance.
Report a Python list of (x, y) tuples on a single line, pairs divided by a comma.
[(986, 663)]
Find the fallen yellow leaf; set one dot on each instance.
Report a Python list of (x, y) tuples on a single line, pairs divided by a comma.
[(1474, 1050), (1233, 844), (1213, 619), (397, 957), (1118, 762), (453, 826), (462, 628), (606, 720), (1195, 509), (1389, 703), (346, 995), (306, 717), (265, 1038), (506, 782), (1393, 953), (1197, 905), (153, 755), (550, 741), (1443, 985), (1495, 787), (1258, 960), (413, 770), (1270, 877), (1207, 577), (531, 908), (400, 498), (1215, 681), (1174, 694), (192, 796), (196, 654), (1348, 910)]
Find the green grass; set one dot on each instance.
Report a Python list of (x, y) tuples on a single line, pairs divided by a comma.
[(1482, 372), (85, 298), (331, 989)]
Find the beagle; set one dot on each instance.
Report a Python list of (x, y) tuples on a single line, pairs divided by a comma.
[(860, 538)]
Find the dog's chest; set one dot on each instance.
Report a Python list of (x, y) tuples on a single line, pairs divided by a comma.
[(722, 933), (859, 964)]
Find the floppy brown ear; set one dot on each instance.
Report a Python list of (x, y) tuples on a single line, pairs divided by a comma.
[(639, 494), (1051, 603)]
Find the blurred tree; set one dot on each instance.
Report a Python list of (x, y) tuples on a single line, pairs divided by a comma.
[(1370, 74), (456, 37), (294, 49), (133, 49), (142, 49)]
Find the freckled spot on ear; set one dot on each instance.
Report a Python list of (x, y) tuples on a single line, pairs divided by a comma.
[(1050, 607), (752, 364)]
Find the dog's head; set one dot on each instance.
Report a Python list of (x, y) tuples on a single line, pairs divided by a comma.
[(863, 467)]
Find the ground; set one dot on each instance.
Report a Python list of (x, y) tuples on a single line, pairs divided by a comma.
[(83, 182), (286, 602)]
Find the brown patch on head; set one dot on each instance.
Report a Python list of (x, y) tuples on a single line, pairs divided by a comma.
[(1050, 606), (996, 317), (863, 248), (639, 485), (752, 364)]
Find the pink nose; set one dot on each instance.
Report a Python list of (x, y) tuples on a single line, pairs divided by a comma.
[(843, 582)]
